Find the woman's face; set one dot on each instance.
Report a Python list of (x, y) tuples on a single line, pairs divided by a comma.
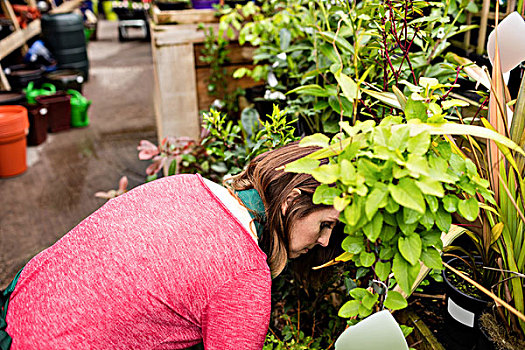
[(315, 228)]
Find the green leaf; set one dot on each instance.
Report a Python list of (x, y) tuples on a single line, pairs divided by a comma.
[(410, 248), (469, 208), (431, 258), (430, 186), (443, 220), (407, 194), (352, 213), (416, 110), (340, 203), (318, 139), (353, 244), (370, 300), (375, 200), (325, 194), (383, 269), (411, 216), (372, 229), (386, 253), (399, 138), (387, 98), (450, 203), (428, 82), (433, 203), (302, 165), (349, 309), (417, 165), (363, 311), (395, 301), (349, 87), (453, 103), (367, 259), (405, 273), (359, 293), (348, 173), (419, 143), (327, 173)]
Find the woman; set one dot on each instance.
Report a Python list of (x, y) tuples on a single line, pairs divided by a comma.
[(172, 263)]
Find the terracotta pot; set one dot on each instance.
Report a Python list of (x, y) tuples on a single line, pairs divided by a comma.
[(13, 130)]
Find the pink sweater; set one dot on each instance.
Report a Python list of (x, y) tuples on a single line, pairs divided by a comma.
[(164, 266)]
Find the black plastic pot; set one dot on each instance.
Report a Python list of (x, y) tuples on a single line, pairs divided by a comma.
[(463, 311), (172, 5), (11, 98), (22, 74), (66, 79)]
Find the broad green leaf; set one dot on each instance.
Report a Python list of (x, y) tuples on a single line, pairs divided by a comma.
[(386, 253), (407, 194), (318, 139), (410, 248), (349, 87), (388, 233), (469, 208), (430, 186), (387, 98), (443, 220), (450, 203), (364, 311), (419, 143), (405, 273), (338, 102), (348, 173), (302, 165), (464, 129), (400, 96), (399, 139), (353, 244), (411, 216), (349, 309), (312, 90), (327, 173), (367, 259), (416, 110), (395, 301), (352, 213), (370, 300), (341, 203), (453, 103), (431, 258), (325, 194), (428, 82), (373, 228), (340, 41), (433, 203), (382, 270), (417, 165), (359, 293), (375, 200)]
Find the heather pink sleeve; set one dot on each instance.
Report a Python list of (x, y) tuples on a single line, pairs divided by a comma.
[(238, 314)]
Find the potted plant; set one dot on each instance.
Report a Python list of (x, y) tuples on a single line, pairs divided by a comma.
[(396, 186)]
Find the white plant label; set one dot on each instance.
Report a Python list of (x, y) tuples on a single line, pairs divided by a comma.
[(460, 314)]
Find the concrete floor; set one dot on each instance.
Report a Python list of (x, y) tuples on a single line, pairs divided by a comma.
[(64, 173)]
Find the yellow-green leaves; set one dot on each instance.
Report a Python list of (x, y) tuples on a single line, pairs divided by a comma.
[(410, 248), (395, 301), (349, 87), (407, 194), (469, 208)]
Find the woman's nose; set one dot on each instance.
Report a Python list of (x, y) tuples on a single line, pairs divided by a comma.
[(324, 239)]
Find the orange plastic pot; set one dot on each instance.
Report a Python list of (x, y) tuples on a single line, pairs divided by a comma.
[(14, 125)]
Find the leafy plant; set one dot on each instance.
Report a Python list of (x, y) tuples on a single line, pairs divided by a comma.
[(380, 44), (397, 186)]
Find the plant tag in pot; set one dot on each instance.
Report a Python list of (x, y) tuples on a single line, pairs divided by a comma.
[(460, 314)]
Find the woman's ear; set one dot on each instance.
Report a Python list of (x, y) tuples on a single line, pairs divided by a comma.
[(289, 199)]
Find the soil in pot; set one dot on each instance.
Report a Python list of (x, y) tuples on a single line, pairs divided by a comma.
[(494, 336), (464, 303)]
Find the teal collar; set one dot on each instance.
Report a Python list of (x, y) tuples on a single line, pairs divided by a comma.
[(252, 200)]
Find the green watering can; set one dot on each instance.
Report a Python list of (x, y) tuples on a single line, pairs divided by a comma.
[(79, 107), (31, 93)]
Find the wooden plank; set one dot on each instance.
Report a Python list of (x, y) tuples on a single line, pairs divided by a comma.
[(4, 84), (166, 35), (10, 13), (203, 74), (175, 93), (482, 35), (31, 3), (184, 16), (18, 38), (237, 54)]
